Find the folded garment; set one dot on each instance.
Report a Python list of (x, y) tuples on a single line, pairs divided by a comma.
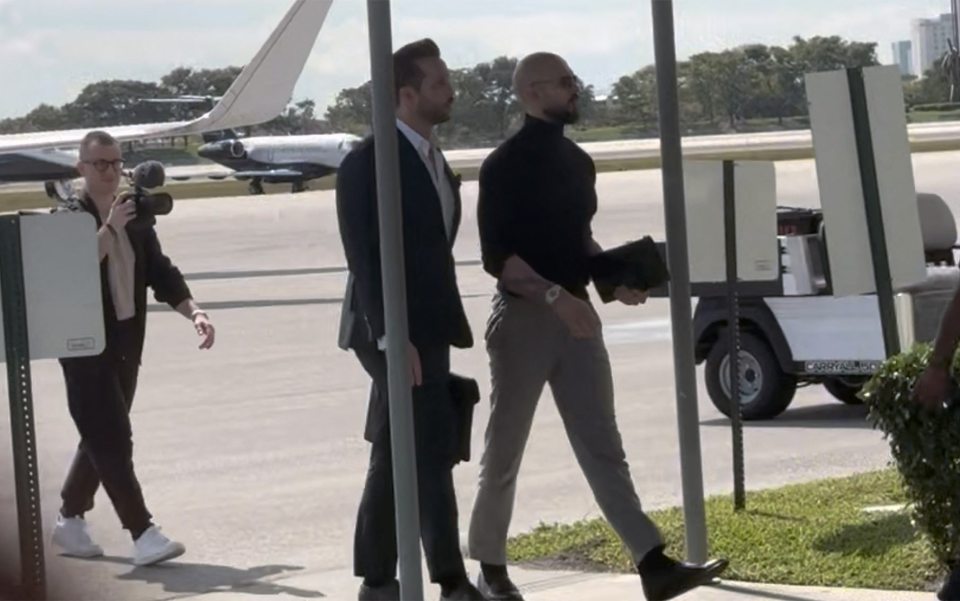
[(636, 265)]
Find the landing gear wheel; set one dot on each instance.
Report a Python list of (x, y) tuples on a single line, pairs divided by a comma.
[(298, 186), (255, 187), (60, 190)]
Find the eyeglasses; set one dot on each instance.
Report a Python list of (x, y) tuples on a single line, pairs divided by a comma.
[(102, 165)]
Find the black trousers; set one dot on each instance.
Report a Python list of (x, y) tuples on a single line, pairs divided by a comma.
[(375, 543), (100, 392)]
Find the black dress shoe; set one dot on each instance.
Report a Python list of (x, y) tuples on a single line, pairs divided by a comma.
[(387, 592), (498, 589), (950, 591), (675, 578), (463, 592)]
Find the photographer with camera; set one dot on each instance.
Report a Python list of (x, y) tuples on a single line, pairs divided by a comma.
[(100, 389)]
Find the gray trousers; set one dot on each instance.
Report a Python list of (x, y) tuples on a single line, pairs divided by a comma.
[(529, 347)]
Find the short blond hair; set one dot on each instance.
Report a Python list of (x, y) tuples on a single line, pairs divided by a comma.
[(97, 136)]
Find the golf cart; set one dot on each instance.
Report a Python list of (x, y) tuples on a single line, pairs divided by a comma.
[(794, 332)]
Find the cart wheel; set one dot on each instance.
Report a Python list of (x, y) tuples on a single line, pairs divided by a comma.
[(845, 390), (765, 391)]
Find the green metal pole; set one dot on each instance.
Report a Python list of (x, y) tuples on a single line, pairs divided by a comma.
[(871, 199), (26, 474)]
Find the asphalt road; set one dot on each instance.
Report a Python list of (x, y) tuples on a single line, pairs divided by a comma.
[(252, 453)]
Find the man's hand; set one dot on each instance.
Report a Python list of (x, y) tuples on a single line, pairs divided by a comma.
[(205, 330), (932, 388), (416, 370), (630, 296), (578, 315), (122, 212)]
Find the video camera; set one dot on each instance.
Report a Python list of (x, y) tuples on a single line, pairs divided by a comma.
[(146, 176)]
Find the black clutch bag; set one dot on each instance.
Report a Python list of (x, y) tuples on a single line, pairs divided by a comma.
[(465, 394), (636, 265)]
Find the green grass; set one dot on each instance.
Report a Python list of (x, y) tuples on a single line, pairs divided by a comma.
[(812, 534), (605, 134), (772, 124), (932, 116), (166, 155), (634, 131), (37, 199)]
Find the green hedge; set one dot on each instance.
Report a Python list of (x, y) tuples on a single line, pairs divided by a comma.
[(926, 448)]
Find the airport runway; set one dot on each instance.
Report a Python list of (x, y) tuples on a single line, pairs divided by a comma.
[(922, 136), (252, 453), (936, 136)]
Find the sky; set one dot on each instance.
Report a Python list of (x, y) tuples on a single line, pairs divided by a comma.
[(50, 49)]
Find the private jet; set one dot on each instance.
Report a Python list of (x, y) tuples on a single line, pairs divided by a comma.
[(293, 160), (259, 94), (54, 167)]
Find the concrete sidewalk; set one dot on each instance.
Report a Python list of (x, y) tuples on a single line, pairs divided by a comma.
[(537, 585)]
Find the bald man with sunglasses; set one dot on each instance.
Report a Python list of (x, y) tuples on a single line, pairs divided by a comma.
[(537, 202)]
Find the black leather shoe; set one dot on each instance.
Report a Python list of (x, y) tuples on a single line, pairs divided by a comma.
[(464, 592), (498, 589), (676, 578), (387, 592), (950, 591)]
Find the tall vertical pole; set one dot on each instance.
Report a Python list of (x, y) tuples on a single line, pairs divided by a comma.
[(733, 330), (871, 199), (680, 303), (26, 474), (395, 300), (955, 13), (955, 30)]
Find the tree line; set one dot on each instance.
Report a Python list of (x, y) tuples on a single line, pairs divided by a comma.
[(748, 88), (124, 102), (718, 91)]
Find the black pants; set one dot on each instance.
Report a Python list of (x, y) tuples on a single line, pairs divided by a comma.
[(100, 392), (375, 543)]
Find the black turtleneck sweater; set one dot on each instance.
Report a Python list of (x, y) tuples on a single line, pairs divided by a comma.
[(537, 199)]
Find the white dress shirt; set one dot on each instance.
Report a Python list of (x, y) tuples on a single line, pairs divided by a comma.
[(433, 159)]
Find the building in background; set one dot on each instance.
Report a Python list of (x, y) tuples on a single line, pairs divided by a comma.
[(903, 57), (930, 41)]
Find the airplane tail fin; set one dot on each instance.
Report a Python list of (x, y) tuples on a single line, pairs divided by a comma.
[(260, 93), (265, 86)]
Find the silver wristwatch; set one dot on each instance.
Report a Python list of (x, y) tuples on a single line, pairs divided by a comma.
[(553, 293)]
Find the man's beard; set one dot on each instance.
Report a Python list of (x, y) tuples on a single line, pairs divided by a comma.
[(436, 114), (565, 115)]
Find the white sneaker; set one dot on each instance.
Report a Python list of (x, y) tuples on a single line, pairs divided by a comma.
[(70, 534), (153, 547)]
